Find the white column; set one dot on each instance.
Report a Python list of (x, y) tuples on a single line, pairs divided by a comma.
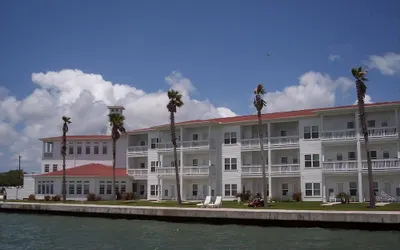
[(158, 188), (323, 175), (269, 161), (396, 115), (359, 160), (209, 174), (181, 165), (209, 136)]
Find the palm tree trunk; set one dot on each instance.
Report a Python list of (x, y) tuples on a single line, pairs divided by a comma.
[(64, 181), (173, 138), (113, 181), (361, 113), (264, 177)]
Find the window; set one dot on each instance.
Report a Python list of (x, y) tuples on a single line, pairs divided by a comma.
[(86, 186), (123, 187), (45, 187), (353, 188), (373, 155), (143, 143), (195, 137), (205, 137), (102, 187), (311, 161), (104, 149), (87, 149), (116, 187), (376, 188), (283, 133), (55, 167), (295, 160), (230, 189), (371, 123), (71, 187), (311, 132), (195, 189), (46, 168), (79, 187), (350, 125), (339, 157), (153, 166), (153, 190), (79, 149), (142, 165), (153, 143), (48, 147), (230, 164), (386, 155), (352, 156), (109, 187), (195, 162), (384, 124), (398, 191), (284, 160), (141, 190), (285, 189), (71, 150), (230, 138), (96, 149), (313, 189)]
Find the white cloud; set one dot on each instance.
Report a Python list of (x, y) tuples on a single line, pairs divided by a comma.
[(389, 64), (84, 98), (333, 57), (314, 90), (367, 100)]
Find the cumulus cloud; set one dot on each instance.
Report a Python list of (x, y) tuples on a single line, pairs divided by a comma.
[(313, 91), (84, 98), (367, 99), (388, 64), (333, 57)]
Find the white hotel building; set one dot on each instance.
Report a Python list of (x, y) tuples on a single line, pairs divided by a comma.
[(318, 152)]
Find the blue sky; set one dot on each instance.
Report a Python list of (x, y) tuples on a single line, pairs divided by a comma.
[(220, 46)]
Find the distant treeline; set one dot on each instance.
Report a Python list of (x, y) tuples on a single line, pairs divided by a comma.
[(12, 178)]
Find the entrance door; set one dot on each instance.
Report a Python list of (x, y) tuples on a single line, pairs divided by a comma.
[(339, 187), (387, 188), (172, 187)]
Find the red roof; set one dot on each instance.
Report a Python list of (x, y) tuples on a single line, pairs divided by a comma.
[(78, 137), (90, 170)]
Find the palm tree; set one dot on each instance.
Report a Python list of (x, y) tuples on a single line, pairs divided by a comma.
[(259, 104), (175, 100), (117, 128), (360, 77), (66, 120)]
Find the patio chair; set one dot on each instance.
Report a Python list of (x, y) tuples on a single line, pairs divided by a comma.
[(217, 203), (205, 203), (332, 197)]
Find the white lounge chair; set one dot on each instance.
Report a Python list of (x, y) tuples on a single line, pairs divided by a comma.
[(217, 203), (332, 197), (205, 203)]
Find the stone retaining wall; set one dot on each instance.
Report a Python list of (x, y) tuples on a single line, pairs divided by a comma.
[(371, 220)]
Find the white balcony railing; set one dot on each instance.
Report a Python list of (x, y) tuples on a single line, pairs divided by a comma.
[(167, 146), (348, 134), (382, 164), (339, 166), (137, 150), (47, 155), (253, 143), (186, 145), (285, 169), (142, 172), (187, 171), (284, 141), (382, 132), (252, 170)]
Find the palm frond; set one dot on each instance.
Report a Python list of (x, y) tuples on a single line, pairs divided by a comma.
[(175, 100), (66, 119)]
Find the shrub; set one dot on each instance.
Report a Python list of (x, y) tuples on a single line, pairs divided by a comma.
[(98, 198), (244, 196), (297, 196), (31, 197), (47, 198), (56, 198), (128, 196), (344, 198), (91, 197)]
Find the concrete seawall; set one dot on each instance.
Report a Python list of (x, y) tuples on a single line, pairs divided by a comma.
[(369, 220)]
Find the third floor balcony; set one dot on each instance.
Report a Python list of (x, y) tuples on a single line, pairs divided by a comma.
[(352, 166)]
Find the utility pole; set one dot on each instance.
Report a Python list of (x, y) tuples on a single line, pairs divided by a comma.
[(19, 175)]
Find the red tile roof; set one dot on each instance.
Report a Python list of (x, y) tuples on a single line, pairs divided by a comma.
[(90, 170), (78, 137)]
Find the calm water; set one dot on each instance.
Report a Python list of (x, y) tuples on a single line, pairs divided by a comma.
[(42, 232)]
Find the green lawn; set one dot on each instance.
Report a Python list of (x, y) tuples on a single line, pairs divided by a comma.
[(230, 204)]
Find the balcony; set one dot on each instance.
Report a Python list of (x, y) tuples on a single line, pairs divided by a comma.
[(187, 171), (284, 142), (252, 144), (187, 146), (339, 135), (253, 170), (382, 165), (140, 173), (285, 169), (137, 150), (339, 166), (47, 155), (383, 132)]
